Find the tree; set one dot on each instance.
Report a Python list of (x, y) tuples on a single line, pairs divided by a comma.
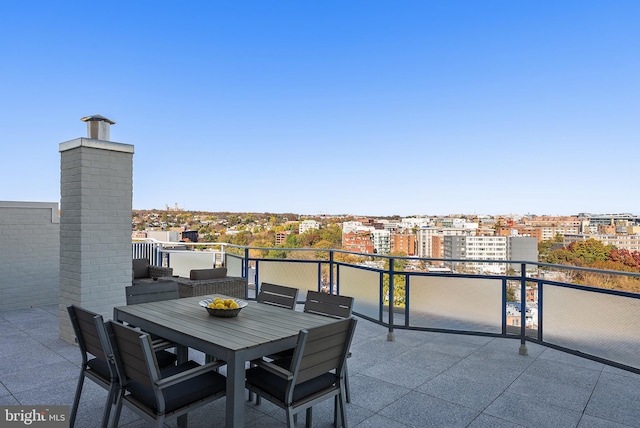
[(292, 241), (308, 239), (590, 251), (546, 247), (332, 234), (399, 281), (626, 257)]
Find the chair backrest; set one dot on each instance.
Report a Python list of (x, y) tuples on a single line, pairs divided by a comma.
[(140, 268), (183, 388), (329, 305), (278, 295), (144, 293), (133, 355), (89, 329), (322, 349)]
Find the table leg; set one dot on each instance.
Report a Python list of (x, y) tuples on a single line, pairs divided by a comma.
[(182, 352), (235, 392)]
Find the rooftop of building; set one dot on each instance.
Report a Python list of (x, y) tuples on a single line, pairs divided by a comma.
[(421, 379)]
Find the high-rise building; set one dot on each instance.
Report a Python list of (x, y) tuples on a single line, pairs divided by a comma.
[(381, 241)]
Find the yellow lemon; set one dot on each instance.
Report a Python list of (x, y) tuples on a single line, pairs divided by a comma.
[(212, 305), (219, 306), (227, 302), (233, 305)]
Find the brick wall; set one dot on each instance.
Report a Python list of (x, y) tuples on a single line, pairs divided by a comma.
[(30, 254), (95, 226)]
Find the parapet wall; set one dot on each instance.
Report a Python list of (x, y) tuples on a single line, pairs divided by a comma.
[(30, 254)]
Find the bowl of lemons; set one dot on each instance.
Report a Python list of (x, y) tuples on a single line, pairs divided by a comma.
[(223, 308)]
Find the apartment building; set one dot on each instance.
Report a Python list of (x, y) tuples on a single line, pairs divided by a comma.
[(522, 248), (426, 242), (358, 241), (621, 242), (527, 231), (489, 248), (306, 225), (623, 219), (381, 241), (403, 243), (552, 221), (477, 248), (281, 237)]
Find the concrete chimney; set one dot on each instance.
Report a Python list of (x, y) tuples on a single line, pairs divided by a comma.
[(98, 127)]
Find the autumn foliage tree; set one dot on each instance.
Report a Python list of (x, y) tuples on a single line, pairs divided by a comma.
[(596, 255)]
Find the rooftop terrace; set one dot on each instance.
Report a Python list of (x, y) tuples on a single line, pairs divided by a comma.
[(422, 379)]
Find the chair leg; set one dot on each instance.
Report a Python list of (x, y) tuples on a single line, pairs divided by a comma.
[(347, 390), (113, 390), (291, 419), (309, 419), (76, 399), (343, 410), (118, 404)]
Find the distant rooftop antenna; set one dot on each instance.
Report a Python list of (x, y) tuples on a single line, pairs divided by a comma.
[(98, 127)]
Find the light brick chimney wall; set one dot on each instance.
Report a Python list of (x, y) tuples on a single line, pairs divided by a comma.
[(95, 227)]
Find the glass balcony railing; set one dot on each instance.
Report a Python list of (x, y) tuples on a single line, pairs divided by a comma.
[(554, 305)]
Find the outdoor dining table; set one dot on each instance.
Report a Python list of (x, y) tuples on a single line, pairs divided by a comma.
[(258, 330)]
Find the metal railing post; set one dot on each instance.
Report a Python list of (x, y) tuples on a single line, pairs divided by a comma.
[(523, 310), (390, 334), (331, 285), (245, 263)]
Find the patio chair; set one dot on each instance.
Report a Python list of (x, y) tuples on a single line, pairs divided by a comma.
[(328, 305), (154, 393), (334, 306), (141, 269), (96, 358), (158, 291), (313, 374), (278, 295), (97, 363)]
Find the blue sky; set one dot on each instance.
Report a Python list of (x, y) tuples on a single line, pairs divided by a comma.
[(361, 107)]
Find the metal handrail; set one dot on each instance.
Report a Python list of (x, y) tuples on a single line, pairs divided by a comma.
[(387, 304)]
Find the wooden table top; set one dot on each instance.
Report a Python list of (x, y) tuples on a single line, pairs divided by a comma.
[(255, 324)]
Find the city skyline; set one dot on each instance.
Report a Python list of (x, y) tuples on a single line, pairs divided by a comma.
[(177, 208), (372, 108)]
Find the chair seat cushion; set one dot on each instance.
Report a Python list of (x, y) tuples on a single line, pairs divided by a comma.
[(183, 393), (165, 358), (276, 385), (100, 368)]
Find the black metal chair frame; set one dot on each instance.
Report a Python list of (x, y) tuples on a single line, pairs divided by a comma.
[(314, 374), (334, 306), (276, 295), (156, 292), (91, 336), (328, 305), (147, 390)]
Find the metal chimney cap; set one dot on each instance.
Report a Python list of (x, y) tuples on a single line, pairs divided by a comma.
[(97, 117)]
